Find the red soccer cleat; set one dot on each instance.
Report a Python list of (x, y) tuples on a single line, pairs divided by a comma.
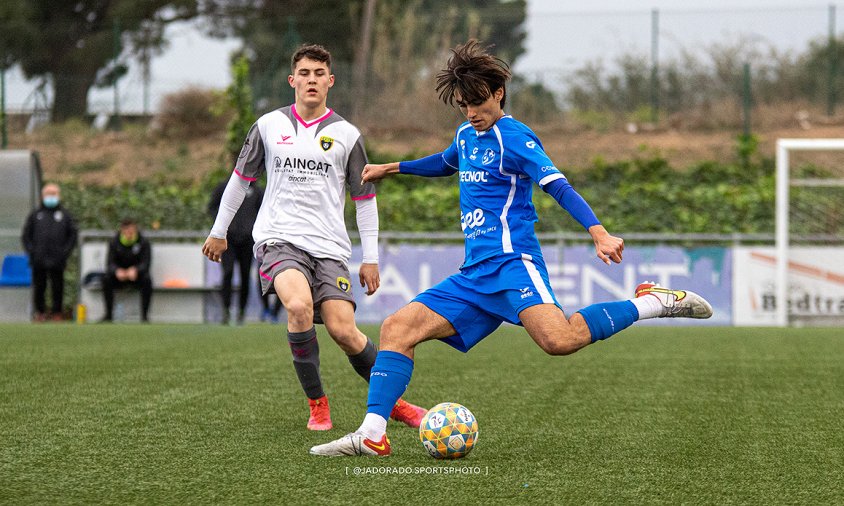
[(408, 413), (320, 414)]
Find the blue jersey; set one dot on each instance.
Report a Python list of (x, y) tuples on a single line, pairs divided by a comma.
[(497, 171)]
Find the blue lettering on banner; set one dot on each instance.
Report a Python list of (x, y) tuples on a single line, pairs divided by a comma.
[(577, 278)]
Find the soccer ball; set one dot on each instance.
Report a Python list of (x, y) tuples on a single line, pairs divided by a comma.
[(448, 431)]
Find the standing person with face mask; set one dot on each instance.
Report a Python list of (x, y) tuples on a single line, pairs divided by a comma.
[(49, 236)]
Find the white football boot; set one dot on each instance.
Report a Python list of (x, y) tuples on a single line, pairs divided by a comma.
[(354, 445), (676, 303)]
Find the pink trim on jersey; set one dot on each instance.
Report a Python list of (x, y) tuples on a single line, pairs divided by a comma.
[(241, 176), (267, 276), (314, 122), (364, 197)]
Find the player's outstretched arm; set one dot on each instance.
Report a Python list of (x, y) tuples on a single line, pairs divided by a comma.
[(608, 247), (377, 171), (430, 166)]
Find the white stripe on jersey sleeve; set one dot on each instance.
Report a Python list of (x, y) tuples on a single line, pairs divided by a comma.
[(551, 177)]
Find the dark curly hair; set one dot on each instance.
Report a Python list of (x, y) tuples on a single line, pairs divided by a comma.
[(313, 52), (473, 72)]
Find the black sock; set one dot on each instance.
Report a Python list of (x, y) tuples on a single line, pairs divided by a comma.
[(305, 349), (363, 361)]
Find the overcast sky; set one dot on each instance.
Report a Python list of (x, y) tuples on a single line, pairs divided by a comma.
[(562, 35)]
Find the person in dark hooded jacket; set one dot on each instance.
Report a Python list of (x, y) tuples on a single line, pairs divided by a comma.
[(49, 236)]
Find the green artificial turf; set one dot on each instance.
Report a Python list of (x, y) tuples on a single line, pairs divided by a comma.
[(201, 414)]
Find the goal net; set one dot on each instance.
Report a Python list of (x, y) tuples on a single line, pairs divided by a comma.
[(809, 260)]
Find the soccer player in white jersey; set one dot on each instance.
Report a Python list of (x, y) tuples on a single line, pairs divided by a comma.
[(503, 277), (311, 155)]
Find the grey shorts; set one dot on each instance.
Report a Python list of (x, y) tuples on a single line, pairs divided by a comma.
[(329, 278)]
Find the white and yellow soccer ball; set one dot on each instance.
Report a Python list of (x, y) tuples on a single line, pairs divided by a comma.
[(448, 431)]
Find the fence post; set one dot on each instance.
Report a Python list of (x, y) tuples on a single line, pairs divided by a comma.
[(746, 100), (5, 140), (654, 66), (116, 123), (833, 64)]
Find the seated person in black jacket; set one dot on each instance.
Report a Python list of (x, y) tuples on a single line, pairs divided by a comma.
[(129, 258)]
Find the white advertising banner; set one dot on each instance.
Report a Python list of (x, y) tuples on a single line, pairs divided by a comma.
[(815, 284)]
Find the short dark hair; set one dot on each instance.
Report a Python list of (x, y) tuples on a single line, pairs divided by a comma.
[(128, 221), (312, 52), (473, 72)]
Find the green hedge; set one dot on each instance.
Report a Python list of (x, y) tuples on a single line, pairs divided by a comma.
[(644, 194)]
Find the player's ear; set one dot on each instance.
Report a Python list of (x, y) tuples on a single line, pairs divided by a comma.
[(290, 81), (498, 94), (330, 80)]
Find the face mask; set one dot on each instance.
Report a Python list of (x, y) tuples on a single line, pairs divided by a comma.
[(128, 240), (51, 201)]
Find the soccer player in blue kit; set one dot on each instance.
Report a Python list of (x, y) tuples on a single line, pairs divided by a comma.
[(503, 277)]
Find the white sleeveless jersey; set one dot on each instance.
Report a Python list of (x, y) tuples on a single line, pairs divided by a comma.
[(308, 165)]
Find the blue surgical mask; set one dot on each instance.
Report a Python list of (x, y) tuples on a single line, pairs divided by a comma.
[(51, 201)]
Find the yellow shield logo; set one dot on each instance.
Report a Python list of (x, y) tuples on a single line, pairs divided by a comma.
[(343, 284), (325, 143)]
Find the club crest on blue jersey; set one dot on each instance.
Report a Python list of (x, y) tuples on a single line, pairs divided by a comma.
[(325, 143), (489, 156)]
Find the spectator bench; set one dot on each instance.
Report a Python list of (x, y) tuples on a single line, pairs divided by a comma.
[(180, 293)]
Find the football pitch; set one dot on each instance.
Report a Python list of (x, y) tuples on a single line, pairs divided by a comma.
[(182, 414)]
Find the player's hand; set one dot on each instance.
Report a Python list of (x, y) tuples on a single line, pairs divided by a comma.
[(214, 248), (369, 277), (608, 247), (376, 172)]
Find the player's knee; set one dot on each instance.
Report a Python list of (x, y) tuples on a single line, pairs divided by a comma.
[(299, 312), (558, 344), (344, 334), (395, 331)]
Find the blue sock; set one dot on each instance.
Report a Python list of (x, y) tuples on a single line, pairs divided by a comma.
[(387, 382), (608, 318)]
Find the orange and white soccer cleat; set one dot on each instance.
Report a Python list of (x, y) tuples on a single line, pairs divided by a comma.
[(676, 303)]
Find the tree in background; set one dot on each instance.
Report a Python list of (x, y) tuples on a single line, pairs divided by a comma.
[(73, 44), (238, 97), (413, 33)]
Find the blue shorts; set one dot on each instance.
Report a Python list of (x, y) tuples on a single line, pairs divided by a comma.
[(479, 298)]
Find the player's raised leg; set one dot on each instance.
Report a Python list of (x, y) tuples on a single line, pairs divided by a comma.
[(400, 333), (557, 335)]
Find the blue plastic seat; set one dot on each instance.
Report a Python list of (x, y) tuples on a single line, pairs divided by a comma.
[(15, 271)]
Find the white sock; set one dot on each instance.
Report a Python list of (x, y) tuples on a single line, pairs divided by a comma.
[(373, 427), (649, 306)]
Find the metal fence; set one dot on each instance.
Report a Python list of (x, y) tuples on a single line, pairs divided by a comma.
[(559, 44)]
